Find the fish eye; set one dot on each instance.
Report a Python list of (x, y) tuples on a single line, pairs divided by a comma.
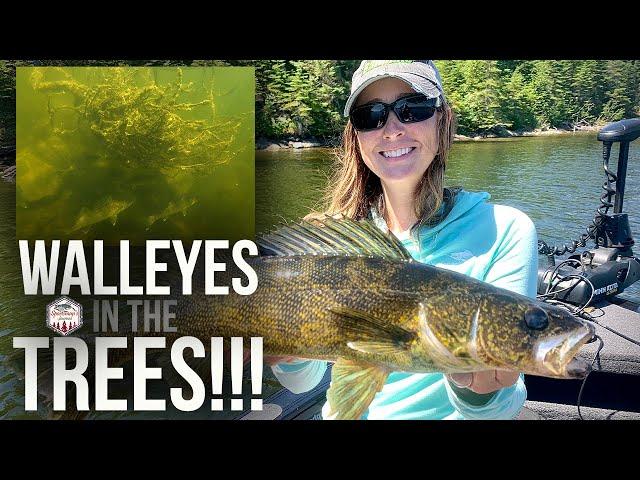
[(536, 319)]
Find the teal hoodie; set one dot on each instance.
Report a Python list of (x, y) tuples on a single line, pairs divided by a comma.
[(493, 243)]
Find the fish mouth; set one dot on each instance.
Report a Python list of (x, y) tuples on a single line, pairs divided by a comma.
[(578, 368), (557, 355)]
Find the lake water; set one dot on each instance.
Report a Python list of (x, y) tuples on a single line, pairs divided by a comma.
[(556, 180)]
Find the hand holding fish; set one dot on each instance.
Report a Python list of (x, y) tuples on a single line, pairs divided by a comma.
[(486, 381), (270, 360)]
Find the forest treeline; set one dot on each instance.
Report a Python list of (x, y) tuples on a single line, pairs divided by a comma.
[(304, 98)]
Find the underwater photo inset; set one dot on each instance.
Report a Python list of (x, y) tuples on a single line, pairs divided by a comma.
[(135, 153)]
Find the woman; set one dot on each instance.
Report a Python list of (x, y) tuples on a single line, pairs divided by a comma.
[(396, 144)]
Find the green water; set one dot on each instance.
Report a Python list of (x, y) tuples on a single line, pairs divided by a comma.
[(555, 180), (135, 153)]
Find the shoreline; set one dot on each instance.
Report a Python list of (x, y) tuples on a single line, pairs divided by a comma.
[(8, 170), (268, 144), (8, 173)]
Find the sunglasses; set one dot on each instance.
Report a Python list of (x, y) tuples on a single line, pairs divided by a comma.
[(411, 109)]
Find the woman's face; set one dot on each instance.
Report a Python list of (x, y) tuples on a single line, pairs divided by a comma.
[(398, 153)]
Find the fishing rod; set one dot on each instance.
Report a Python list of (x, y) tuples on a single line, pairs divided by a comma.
[(611, 266)]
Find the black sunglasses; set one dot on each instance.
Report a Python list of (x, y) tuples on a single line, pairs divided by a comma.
[(410, 109)]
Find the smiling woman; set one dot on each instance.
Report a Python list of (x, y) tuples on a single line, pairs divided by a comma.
[(400, 150), (416, 116), (396, 145)]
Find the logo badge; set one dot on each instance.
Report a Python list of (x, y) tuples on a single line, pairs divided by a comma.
[(64, 316)]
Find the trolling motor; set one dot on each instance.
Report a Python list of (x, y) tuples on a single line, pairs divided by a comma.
[(611, 266)]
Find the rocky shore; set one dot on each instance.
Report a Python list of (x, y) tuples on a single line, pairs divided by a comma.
[(298, 143), (295, 143), (8, 169), (505, 133), (8, 163), (8, 172)]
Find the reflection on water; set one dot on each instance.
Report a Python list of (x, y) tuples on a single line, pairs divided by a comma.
[(289, 184), (555, 180)]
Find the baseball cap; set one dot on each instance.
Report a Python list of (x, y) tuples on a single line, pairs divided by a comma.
[(421, 75)]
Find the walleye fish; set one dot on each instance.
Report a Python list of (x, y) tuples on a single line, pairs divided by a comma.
[(171, 209), (343, 291), (107, 209)]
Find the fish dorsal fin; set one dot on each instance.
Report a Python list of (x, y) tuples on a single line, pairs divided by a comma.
[(353, 386), (330, 236), (370, 335)]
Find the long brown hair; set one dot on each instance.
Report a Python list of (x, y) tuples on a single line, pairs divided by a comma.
[(354, 189)]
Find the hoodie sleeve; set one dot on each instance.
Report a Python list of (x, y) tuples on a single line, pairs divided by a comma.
[(514, 264), (514, 267), (301, 375)]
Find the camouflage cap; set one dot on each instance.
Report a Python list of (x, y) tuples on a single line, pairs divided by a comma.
[(421, 75)]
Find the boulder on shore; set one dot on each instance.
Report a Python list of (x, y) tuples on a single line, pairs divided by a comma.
[(265, 144), (8, 173)]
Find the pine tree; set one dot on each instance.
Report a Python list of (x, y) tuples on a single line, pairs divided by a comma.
[(518, 108), (453, 84), (324, 90), (275, 98), (622, 90), (484, 95), (7, 103), (588, 85), (543, 93)]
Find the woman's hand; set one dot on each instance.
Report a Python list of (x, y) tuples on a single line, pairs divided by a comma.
[(269, 360), (272, 360), (486, 381)]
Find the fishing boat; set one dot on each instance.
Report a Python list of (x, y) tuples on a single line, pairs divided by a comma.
[(589, 283)]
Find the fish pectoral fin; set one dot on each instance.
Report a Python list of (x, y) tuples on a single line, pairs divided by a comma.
[(353, 386), (366, 333), (375, 348)]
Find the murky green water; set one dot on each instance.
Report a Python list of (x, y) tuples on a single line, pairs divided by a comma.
[(135, 153), (555, 180)]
